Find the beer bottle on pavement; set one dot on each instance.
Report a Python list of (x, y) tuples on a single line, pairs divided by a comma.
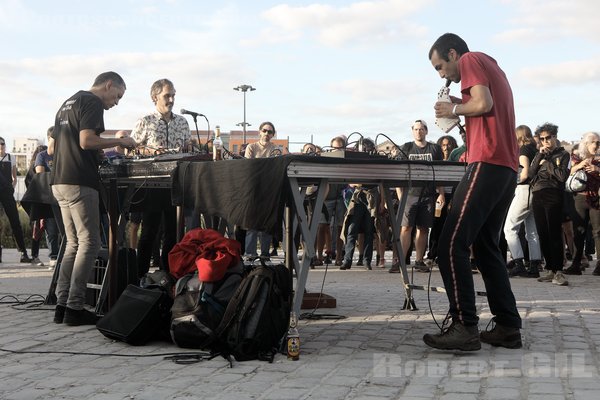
[(293, 339)]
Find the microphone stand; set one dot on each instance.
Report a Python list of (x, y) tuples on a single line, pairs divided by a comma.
[(198, 132)]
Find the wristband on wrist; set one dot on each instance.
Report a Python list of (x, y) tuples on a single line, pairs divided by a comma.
[(454, 110)]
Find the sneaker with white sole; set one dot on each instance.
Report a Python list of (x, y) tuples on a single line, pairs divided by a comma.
[(548, 277), (559, 279), (37, 261), (51, 264)]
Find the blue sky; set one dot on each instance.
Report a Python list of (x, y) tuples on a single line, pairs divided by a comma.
[(320, 68)]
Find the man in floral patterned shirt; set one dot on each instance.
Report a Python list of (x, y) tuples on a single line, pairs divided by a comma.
[(158, 132), (163, 129)]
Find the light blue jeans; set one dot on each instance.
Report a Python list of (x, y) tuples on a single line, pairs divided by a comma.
[(520, 212), (81, 218)]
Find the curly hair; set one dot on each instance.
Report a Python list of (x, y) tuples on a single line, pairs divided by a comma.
[(450, 139), (547, 127)]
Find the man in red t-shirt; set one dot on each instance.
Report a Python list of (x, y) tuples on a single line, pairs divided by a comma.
[(481, 199)]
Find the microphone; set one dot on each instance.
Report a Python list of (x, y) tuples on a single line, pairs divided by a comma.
[(192, 113)]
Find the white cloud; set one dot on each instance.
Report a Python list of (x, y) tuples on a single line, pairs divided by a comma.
[(543, 20), (565, 73), (373, 90), (361, 22), (42, 84)]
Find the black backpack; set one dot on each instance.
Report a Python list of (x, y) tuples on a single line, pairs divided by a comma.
[(198, 308), (258, 314)]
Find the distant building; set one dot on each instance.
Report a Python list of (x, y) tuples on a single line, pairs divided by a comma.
[(22, 150)]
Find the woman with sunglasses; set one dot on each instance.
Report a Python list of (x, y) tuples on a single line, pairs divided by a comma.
[(587, 205), (547, 175), (261, 149)]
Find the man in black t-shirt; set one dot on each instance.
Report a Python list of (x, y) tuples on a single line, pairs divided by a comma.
[(75, 183), (418, 211)]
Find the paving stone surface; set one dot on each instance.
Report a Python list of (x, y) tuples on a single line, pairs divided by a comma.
[(375, 352)]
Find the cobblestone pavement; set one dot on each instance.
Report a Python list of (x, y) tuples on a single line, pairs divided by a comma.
[(376, 352)]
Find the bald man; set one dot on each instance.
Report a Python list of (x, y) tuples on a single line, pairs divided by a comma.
[(117, 151)]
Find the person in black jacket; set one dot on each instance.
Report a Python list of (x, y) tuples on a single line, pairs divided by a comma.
[(548, 172), (8, 180)]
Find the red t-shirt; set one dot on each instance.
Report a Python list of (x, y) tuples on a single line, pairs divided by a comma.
[(490, 137)]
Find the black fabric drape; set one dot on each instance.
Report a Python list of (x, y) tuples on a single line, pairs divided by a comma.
[(38, 197), (247, 192)]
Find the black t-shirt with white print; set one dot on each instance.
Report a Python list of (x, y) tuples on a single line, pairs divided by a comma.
[(429, 152), (72, 164)]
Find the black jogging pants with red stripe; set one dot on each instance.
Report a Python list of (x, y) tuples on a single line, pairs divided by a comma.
[(476, 217)]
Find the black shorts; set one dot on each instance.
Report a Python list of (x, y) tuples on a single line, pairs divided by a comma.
[(418, 212)]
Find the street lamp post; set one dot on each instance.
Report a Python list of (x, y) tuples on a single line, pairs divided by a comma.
[(244, 89)]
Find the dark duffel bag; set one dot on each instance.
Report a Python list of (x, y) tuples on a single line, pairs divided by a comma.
[(139, 315)]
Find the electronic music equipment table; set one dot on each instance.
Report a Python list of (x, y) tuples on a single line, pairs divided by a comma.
[(369, 172), (132, 175), (260, 193)]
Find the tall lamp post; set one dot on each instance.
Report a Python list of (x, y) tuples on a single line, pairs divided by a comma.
[(244, 89)]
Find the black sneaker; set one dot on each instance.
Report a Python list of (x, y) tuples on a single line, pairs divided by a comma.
[(456, 337), (502, 336), (25, 258), (79, 317), (359, 262), (59, 314), (394, 269), (574, 269), (421, 266), (346, 265), (533, 271), (518, 269)]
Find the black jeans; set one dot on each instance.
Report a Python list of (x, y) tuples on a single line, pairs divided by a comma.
[(547, 206), (475, 217), (157, 210), (584, 216), (10, 209)]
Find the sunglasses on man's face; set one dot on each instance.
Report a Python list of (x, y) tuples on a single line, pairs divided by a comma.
[(270, 132), (545, 138), (2, 143)]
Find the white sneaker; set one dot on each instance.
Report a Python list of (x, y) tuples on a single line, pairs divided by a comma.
[(36, 261), (559, 279), (51, 264), (549, 277)]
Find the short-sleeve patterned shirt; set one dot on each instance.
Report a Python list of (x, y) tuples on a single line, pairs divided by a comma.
[(155, 132)]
